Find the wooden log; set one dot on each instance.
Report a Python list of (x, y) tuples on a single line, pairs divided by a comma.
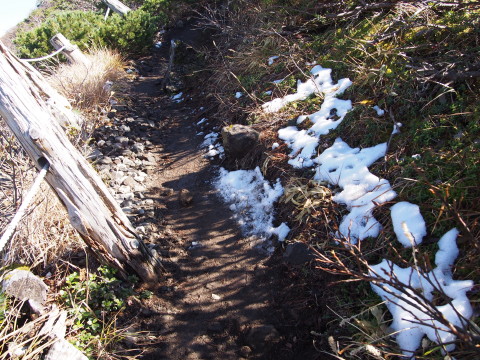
[(117, 6), (72, 52), (92, 210)]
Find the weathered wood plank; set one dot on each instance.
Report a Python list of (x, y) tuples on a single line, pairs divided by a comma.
[(92, 210), (117, 6), (71, 51)]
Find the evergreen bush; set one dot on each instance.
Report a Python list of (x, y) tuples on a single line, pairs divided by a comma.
[(130, 34)]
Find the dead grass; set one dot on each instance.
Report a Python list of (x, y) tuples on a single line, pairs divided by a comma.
[(89, 86), (44, 234)]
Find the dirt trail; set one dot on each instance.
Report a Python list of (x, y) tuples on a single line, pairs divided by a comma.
[(211, 302)]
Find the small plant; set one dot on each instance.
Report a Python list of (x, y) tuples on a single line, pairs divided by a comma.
[(93, 302)]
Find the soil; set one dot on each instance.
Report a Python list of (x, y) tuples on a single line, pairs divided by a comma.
[(220, 297)]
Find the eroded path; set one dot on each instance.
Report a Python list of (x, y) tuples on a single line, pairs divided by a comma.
[(211, 304)]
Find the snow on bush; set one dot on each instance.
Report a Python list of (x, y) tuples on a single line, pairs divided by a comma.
[(412, 315)]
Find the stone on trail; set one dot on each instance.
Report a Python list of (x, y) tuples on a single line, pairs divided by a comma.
[(298, 254), (185, 197), (24, 285), (62, 349), (238, 140), (261, 337)]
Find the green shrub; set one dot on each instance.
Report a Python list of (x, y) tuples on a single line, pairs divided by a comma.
[(132, 33)]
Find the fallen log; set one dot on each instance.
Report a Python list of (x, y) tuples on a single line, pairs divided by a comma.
[(92, 210)]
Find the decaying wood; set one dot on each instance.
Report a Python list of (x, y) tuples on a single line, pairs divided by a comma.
[(117, 6), (93, 211), (166, 78), (73, 54)]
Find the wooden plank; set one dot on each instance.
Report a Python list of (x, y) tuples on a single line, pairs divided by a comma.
[(92, 210), (71, 51), (117, 6)]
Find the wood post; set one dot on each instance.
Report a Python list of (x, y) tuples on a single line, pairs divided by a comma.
[(117, 6), (92, 210), (71, 51)]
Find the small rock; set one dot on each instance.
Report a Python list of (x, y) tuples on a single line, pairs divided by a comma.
[(101, 143), (185, 197), (245, 351), (151, 159), (239, 140), (215, 327), (138, 148), (94, 155), (124, 189), (105, 160), (260, 337), (62, 349), (122, 140), (24, 285), (125, 128), (298, 254), (129, 181)]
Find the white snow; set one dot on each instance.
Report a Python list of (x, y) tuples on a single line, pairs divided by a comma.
[(269, 92), (202, 121), (252, 198), (416, 156), (272, 59), (178, 97), (407, 308), (214, 148), (348, 168), (408, 223), (282, 231), (396, 128), (209, 139), (332, 112), (321, 82), (275, 145), (158, 44), (238, 94), (279, 81), (379, 111)]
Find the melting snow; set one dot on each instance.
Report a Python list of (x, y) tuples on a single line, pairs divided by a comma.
[(408, 223), (348, 168), (408, 309), (332, 112), (272, 59), (379, 111), (238, 94), (251, 198), (321, 82)]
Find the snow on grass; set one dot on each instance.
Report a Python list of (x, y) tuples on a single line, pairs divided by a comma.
[(178, 97), (412, 316), (332, 112), (408, 223), (380, 112), (238, 94), (321, 82), (348, 168), (251, 199), (272, 59)]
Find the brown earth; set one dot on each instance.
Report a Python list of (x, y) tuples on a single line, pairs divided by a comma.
[(220, 298)]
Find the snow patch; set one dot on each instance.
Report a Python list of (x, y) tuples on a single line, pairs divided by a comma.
[(321, 82), (408, 223), (272, 59), (379, 111), (362, 191), (238, 94), (251, 198), (412, 316)]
